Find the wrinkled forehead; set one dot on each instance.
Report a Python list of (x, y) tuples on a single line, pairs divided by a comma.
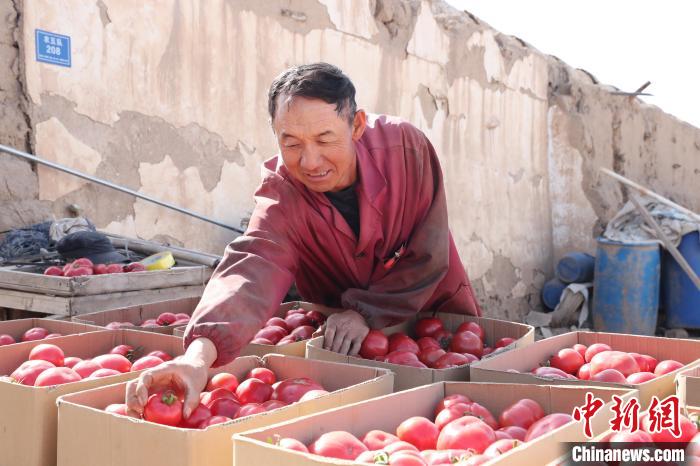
[(306, 117)]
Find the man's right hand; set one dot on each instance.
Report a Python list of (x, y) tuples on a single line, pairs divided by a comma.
[(187, 375)]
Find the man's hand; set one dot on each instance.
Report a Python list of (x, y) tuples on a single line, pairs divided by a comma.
[(344, 332)]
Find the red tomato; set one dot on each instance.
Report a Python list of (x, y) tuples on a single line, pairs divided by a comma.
[(515, 432), (77, 271), (401, 342), (117, 408), (375, 344), (466, 433), (293, 444), (315, 318), (688, 430), (594, 349), (631, 437), (27, 373), (609, 375), (264, 374), (262, 341), (642, 362), (166, 318), (501, 434), (253, 391), (402, 357), (503, 342), (83, 262), (303, 332), (223, 380), (273, 333), (445, 457), (418, 431), (450, 400), (425, 343), (650, 362), (288, 339), (313, 394), (296, 311), (33, 334), (113, 361), (581, 349), (568, 360), (338, 444), (124, 350), (270, 405), (277, 322), (134, 267), (584, 372), (207, 398), (182, 316), (449, 360), (451, 413), (372, 457), (406, 458), (430, 356), (551, 372), (200, 414), (477, 410), (6, 339), (160, 354), (146, 362), (56, 376), (618, 360), (443, 337), (399, 446), (467, 342), (428, 326), (378, 439), (297, 320), (474, 328), (291, 390), (47, 352), (518, 414), (250, 409), (70, 361), (115, 268), (640, 377), (487, 350), (213, 421), (53, 270), (150, 323), (163, 408), (99, 373), (547, 424), (86, 368), (224, 407), (499, 447), (664, 367)]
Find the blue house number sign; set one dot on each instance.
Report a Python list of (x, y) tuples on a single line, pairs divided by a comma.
[(52, 48)]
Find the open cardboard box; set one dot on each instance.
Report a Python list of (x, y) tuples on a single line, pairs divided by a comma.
[(409, 377), (28, 415), (137, 314), (16, 328), (524, 360), (89, 436), (688, 388), (292, 349), (387, 412)]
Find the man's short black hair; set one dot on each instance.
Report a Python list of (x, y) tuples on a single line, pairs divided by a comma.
[(315, 81)]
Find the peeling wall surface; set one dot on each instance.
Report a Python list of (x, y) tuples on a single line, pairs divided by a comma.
[(168, 97)]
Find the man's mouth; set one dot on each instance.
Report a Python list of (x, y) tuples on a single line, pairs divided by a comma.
[(316, 176)]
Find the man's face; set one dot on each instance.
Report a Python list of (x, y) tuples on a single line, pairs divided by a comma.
[(316, 143)]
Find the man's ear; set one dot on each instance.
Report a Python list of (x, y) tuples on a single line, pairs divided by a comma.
[(359, 123)]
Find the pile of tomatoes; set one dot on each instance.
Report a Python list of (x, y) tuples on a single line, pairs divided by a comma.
[(47, 365), (462, 432), (84, 266), (436, 347), (33, 334), (225, 399), (599, 362), (163, 320), (297, 325)]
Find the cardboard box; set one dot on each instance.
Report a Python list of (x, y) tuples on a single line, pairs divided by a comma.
[(409, 377), (117, 440), (387, 412), (16, 328), (688, 388), (493, 369), (28, 415), (137, 314), (293, 349)]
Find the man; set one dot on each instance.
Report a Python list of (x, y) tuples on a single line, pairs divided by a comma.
[(353, 210)]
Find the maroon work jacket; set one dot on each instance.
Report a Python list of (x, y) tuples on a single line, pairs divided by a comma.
[(297, 235)]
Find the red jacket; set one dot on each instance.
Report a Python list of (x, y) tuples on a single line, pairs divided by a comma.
[(297, 235)]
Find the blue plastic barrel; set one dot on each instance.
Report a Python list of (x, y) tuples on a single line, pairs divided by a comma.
[(679, 296), (551, 293), (626, 287), (576, 267)]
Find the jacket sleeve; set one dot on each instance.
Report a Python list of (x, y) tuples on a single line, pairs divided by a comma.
[(251, 281), (413, 279)]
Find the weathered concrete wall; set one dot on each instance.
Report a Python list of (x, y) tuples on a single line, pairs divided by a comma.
[(168, 97), (19, 189)]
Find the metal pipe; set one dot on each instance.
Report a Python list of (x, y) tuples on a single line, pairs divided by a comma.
[(33, 158)]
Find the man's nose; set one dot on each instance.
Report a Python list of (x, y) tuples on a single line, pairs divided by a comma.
[(311, 159)]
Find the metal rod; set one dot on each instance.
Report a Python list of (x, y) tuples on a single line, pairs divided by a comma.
[(33, 158), (667, 242)]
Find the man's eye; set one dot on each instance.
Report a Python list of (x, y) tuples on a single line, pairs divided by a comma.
[(291, 146)]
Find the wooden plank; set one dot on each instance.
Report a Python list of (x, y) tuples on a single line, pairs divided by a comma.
[(62, 305), (11, 278)]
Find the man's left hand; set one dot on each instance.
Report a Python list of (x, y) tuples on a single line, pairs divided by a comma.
[(344, 332)]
